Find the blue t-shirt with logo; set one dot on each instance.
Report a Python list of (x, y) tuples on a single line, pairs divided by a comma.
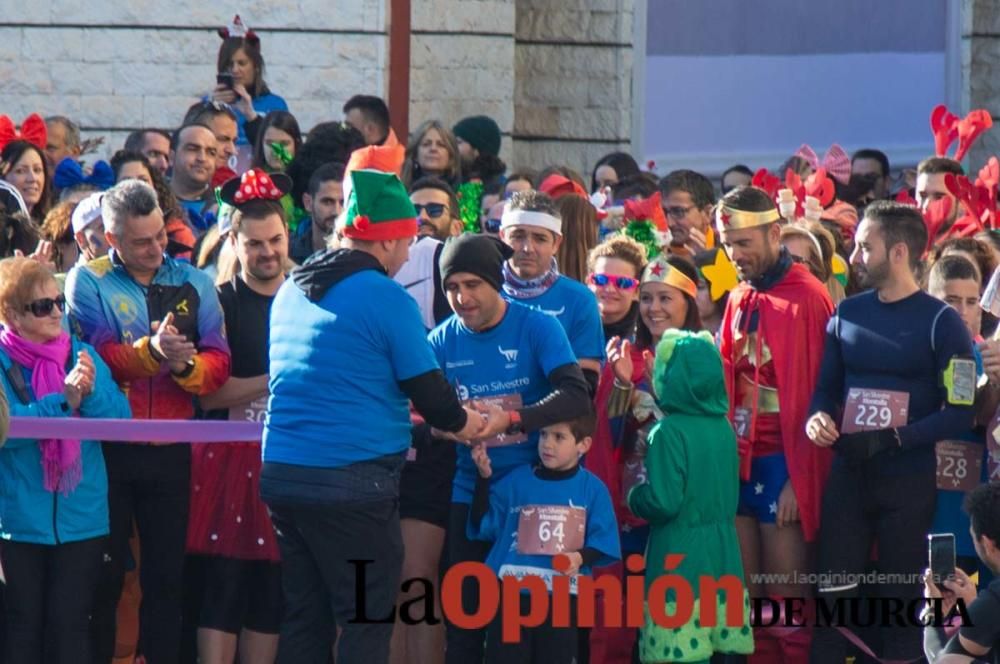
[(512, 360), (575, 307), (522, 489), (336, 365)]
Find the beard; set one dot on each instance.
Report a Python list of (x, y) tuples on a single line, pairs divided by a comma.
[(873, 275), (326, 224), (266, 271)]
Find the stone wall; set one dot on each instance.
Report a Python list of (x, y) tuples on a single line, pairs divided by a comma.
[(981, 72), (462, 62), (573, 84), (115, 67), (556, 76)]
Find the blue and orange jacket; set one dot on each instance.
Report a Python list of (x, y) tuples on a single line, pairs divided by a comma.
[(113, 312)]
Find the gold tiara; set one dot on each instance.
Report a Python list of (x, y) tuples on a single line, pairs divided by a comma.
[(663, 272), (727, 218)]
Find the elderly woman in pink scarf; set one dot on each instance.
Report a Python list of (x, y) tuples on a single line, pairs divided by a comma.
[(53, 492)]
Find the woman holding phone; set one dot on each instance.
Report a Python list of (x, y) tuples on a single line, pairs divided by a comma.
[(240, 81)]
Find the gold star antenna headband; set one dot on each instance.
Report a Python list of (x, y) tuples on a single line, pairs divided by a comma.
[(729, 218)]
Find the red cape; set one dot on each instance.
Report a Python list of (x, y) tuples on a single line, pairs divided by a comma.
[(793, 317), (605, 459)]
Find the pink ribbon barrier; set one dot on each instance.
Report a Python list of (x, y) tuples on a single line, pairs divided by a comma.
[(136, 431)]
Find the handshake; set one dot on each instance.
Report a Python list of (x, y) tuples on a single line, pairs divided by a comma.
[(484, 421)]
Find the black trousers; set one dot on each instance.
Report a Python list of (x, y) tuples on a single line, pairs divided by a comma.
[(152, 485), (861, 508), (323, 589), (543, 644), (48, 598), (464, 645)]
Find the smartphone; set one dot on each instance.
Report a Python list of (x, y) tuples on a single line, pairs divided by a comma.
[(225, 79), (941, 556)]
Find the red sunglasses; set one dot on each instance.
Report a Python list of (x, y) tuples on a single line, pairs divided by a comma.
[(602, 280)]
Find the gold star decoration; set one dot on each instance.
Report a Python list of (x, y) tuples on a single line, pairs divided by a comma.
[(721, 275)]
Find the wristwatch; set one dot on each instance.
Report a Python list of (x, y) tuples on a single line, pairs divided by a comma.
[(515, 427), (188, 368)]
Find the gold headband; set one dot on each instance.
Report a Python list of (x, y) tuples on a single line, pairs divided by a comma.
[(727, 218), (663, 272)]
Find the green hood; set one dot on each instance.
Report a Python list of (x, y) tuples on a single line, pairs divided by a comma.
[(688, 375)]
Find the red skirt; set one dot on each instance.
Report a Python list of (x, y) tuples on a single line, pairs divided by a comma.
[(228, 517)]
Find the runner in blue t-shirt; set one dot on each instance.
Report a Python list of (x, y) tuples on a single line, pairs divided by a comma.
[(533, 229), (517, 364)]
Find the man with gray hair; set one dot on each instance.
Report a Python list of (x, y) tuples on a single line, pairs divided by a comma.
[(158, 325), (63, 139)]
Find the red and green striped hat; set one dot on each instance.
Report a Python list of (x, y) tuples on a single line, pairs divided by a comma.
[(378, 208)]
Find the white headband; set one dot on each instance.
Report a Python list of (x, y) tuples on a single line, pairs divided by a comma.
[(812, 236), (531, 218)]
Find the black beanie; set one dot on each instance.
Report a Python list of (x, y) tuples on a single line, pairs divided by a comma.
[(481, 132), (481, 255)]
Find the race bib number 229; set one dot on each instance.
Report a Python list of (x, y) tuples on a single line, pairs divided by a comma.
[(872, 410)]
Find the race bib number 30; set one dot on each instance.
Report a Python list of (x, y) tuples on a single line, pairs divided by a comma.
[(550, 529), (871, 410), (959, 465), (249, 412)]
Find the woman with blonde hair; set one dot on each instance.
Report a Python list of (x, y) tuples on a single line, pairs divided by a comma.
[(432, 150), (54, 509), (811, 244)]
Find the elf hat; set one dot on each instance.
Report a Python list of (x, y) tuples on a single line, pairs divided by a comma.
[(378, 208)]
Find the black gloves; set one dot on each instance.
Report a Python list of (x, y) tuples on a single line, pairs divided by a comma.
[(857, 448)]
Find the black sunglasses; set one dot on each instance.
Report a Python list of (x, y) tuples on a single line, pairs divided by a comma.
[(43, 307), (434, 210), (492, 225)]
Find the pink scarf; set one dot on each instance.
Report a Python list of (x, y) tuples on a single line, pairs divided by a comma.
[(61, 463)]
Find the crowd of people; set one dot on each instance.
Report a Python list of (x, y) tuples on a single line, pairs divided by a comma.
[(789, 378)]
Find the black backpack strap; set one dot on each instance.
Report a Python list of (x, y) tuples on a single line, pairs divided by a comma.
[(16, 378)]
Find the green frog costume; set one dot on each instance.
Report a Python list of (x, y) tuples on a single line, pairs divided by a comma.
[(690, 497)]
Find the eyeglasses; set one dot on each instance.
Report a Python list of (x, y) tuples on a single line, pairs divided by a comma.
[(602, 280), (492, 225), (434, 210), (678, 212), (43, 307)]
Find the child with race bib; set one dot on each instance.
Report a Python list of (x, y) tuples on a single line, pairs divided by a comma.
[(532, 514)]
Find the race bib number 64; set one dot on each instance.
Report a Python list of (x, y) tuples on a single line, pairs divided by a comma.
[(550, 529), (872, 410)]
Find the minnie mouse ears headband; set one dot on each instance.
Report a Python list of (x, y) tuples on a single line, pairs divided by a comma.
[(32, 130), (236, 30), (835, 161), (255, 185)]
